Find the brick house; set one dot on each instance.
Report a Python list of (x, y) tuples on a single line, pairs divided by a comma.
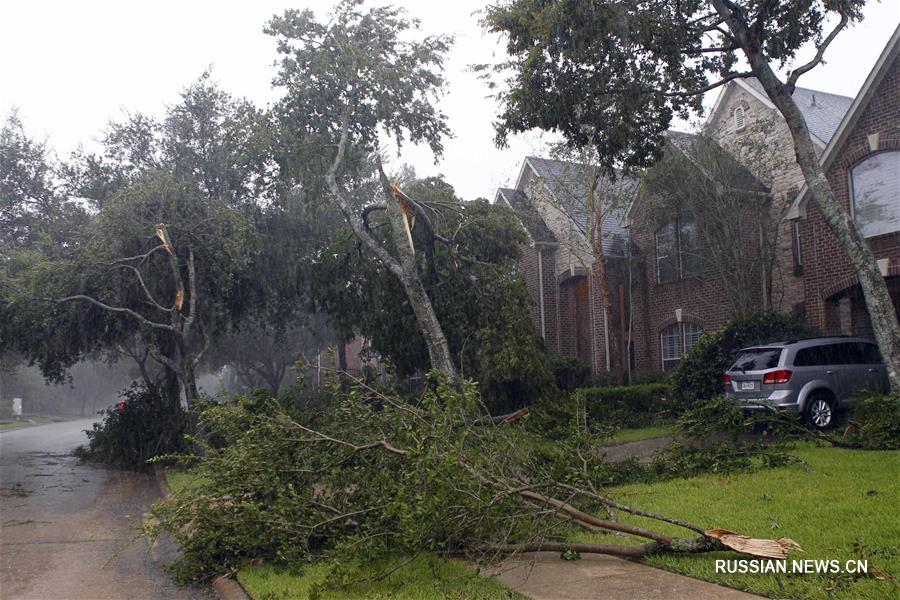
[(673, 297), (862, 163), (679, 292), (568, 312)]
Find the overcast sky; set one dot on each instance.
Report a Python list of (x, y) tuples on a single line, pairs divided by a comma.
[(71, 66)]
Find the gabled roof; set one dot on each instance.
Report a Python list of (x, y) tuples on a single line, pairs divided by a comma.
[(526, 212), (822, 111), (695, 146), (890, 53), (567, 183)]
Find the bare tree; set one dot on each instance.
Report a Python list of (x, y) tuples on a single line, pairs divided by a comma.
[(587, 196), (730, 212)]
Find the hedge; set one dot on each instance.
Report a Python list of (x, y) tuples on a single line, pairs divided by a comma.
[(626, 406)]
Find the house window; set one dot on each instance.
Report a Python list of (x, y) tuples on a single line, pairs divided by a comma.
[(740, 119), (876, 194), (676, 340), (677, 255)]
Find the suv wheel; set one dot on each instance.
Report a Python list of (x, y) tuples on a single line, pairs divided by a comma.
[(820, 411)]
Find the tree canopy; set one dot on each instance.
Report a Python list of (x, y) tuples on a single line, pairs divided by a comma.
[(613, 75)]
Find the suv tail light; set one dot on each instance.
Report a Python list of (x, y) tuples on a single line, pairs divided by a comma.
[(780, 376), (726, 380)]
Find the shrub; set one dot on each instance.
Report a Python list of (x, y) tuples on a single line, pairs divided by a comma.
[(602, 410), (877, 421), (140, 427), (698, 376), (6, 408), (571, 373), (626, 406), (642, 377)]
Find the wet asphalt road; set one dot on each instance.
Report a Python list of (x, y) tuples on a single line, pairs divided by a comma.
[(71, 531)]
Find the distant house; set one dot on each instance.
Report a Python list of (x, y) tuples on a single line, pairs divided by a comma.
[(673, 298), (550, 197)]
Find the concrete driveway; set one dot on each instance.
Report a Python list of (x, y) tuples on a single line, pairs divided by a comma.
[(71, 531)]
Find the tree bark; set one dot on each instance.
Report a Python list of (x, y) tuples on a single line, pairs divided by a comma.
[(601, 281), (878, 300), (435, 340), (404, 267)]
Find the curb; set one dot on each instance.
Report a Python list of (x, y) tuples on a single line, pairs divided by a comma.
[(224, 586), (229, 589)]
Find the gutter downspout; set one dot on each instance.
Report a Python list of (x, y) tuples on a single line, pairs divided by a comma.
[(606, 340), (541, 292)]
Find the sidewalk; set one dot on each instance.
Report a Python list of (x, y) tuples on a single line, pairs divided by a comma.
[(544, 576)]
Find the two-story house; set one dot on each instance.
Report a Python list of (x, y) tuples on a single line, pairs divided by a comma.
[(673, 296)]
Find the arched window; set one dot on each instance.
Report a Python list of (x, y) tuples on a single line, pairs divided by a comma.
[(876, 194), (676, 340), (740, 119)]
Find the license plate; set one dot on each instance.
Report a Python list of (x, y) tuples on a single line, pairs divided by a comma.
[(747, 385)]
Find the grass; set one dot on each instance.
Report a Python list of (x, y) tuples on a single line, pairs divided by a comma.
[(426, 577), (181, 480), (842, 505), (30, 422), (644, 433)]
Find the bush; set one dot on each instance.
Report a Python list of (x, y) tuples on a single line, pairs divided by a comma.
[(571, 373), (6, 408), (626, 406), (602, 410), (698, 377), (877, 421), (142, 426), (643, 377)]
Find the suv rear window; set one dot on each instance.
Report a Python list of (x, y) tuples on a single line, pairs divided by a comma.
[(757, 359)]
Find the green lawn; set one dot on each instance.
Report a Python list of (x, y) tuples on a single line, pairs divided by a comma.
[(425, 578), (645, 433), (843, 505), (179, 480), (30, 422)]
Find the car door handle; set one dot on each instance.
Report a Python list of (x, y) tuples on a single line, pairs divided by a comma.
[(830, 372), (871, 370)]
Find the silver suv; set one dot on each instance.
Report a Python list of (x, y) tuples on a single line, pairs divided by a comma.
[(816, 377)]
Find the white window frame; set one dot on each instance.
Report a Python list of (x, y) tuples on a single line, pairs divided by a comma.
[(681, 342), (850, 180)]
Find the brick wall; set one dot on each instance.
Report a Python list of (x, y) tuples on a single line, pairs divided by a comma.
[(766, 148), (828, 275), (701, 300)]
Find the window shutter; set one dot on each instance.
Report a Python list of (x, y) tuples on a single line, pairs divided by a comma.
[(739, 121)]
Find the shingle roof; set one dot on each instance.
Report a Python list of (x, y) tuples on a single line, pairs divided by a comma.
[(528, 215), (567, 181), (822, 111), (698, 146)]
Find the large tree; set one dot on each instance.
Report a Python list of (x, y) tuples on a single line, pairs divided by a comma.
[(33, 211), (614, 74), (349, 83), (158, 261), (474, 284)]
